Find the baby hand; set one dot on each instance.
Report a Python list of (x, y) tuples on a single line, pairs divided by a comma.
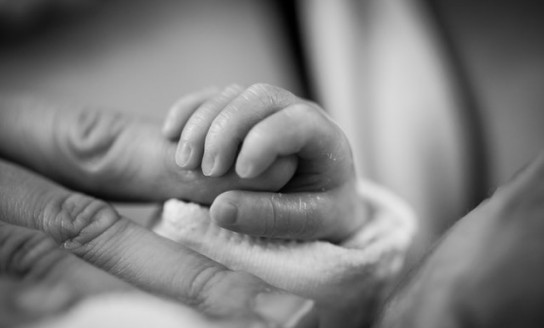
[(248, 130)]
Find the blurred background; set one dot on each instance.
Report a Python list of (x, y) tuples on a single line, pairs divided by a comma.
[(442, 100)]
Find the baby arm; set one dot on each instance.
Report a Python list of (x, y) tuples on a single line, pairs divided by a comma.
[(248, 129)]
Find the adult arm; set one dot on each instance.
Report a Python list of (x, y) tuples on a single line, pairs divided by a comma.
[(487, 271)]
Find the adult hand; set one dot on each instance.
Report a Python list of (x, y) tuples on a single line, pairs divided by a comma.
[(43, 285), (117, 158), (487, 272)]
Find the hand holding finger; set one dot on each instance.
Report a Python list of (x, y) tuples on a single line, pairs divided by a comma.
[(110, 155), (271, 125)]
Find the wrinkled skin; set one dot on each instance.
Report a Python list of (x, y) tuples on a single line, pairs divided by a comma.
[(65, 245), (72, 238), (487, 271), (59, 162)]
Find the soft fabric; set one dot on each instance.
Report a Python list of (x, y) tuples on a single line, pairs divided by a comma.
[(335, 276)]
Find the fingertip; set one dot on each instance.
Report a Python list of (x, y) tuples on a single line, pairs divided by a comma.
[(168, 128), (209, 164), (172, 125), (184, 155), (235, 292), (245, 169), (248, 166), (192, 151), (224, 212), (256, 154), (240, 211), (280, 172), (215, 165)]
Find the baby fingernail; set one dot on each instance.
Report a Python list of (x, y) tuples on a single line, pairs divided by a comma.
[(224, 213), (208, 165), (244, 170), (183, 155)]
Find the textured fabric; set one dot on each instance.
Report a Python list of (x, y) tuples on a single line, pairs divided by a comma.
[(333, 275)]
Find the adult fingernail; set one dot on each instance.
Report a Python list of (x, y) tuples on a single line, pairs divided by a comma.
[(183, 155), (208, 165), (224, 213)]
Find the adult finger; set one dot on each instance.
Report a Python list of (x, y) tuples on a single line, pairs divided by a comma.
[(38, 279), (43, 284), (181, 111), (93, 231), (333, 215), (140, 311), (191, 143), (231, 125), (33, 255), (22, 302), (110, 155)]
